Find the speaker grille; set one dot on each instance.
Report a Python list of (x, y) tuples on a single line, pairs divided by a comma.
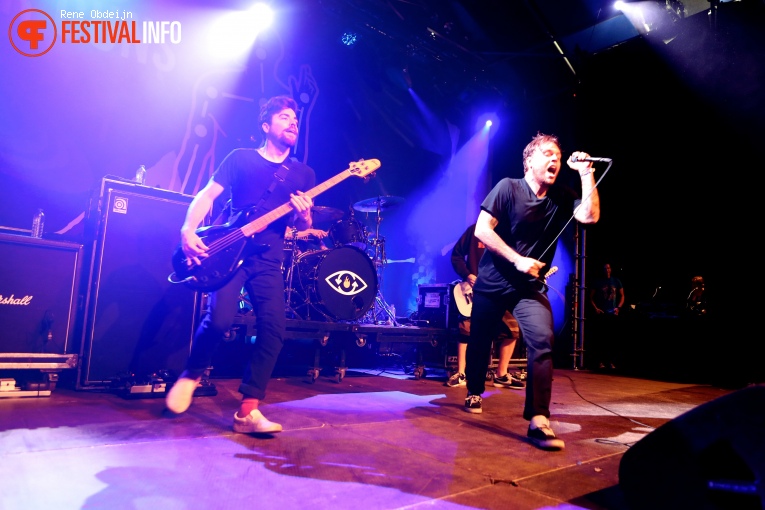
[(38, 295), (138, 323)]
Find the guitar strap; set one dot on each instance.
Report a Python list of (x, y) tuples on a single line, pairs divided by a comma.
[(279, 176), (226, 212)]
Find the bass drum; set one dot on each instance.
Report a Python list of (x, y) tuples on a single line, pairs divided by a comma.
[(339, 284)]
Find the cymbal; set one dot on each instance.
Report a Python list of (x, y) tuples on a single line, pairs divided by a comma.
[(322, 213), (371, 204)]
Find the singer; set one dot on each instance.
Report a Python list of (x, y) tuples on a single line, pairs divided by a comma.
[(519, 223)]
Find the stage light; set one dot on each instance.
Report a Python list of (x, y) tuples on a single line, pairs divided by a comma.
[(349, 38), (644, 16), (488, 122), (233, 33)]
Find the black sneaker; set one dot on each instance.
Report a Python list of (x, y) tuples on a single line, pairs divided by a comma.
[(508, 381), (544, 438), (456, 380), (473, 404)]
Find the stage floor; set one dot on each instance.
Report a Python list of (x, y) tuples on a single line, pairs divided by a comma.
[(377, 439)]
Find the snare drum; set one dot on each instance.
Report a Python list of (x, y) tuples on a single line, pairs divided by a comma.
[(348, 232), (340, 283)]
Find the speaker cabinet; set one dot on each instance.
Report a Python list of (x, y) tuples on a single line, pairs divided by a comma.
[(138, 323), (435, 304), (39, 295), (712, 457)]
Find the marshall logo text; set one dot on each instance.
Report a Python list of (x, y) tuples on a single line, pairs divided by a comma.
[(11, 300)]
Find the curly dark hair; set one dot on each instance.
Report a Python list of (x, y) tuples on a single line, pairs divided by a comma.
[(274, 106)]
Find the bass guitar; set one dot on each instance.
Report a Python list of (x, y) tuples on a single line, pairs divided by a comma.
[(228, 244), (463, 294)]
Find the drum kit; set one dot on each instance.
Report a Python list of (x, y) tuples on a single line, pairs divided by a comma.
[(342, 279)]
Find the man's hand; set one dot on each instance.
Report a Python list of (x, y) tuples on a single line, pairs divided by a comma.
[(193, 247), (583, 167), (302, 204), (529, 266)]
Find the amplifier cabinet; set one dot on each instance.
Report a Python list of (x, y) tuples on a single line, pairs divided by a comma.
[(435, 304), (40, 301), (138, 324)]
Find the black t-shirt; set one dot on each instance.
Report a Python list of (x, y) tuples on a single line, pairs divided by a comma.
[(246, 176), (528, 225)]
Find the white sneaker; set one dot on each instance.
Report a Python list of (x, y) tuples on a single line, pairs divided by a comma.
[(179, 397), (255, 423)]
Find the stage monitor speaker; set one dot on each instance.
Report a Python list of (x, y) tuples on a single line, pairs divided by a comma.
[(138, 324), (40, 303), (712, 457)]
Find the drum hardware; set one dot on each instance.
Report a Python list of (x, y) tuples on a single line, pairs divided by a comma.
[(339, 284), (289, 290), (377, 205)]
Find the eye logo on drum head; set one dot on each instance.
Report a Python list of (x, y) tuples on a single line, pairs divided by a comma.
[(346, 283), (336, 284)]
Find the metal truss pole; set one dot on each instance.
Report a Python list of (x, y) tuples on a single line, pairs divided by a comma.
[(579, 298)]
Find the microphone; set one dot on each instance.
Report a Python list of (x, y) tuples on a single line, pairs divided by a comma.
[(591, 160)]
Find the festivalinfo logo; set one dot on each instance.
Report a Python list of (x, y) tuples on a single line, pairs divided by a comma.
[(33, 32)]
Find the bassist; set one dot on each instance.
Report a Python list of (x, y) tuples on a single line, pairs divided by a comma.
[(258, 181)]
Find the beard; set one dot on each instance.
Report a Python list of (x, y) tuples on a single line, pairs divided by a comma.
[(287, 139)]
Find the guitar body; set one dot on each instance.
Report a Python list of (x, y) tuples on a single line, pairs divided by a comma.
[(463, 298), (219, 267), (463, 293), (228, 245)]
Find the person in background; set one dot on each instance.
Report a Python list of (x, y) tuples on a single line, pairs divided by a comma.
[(264, 179), (696, 302), (607, 300), (465, 256), (519, 223)]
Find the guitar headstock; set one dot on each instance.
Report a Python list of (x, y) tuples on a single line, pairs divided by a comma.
[(364, 167), (551, 272)]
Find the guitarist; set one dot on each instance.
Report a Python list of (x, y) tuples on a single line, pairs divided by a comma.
[(257, 180), (520, 222), (465, 256)]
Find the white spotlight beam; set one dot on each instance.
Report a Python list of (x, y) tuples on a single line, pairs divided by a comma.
[(233, 33)]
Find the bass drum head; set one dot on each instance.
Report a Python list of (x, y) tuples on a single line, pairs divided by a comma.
[(340, 283)]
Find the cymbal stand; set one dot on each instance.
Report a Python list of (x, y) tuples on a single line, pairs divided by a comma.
[(380, 260)]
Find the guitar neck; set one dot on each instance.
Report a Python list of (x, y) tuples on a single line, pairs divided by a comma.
[(263, 221)]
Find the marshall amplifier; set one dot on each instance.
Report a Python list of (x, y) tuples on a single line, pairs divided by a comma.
[(40, 299), (138, 324)]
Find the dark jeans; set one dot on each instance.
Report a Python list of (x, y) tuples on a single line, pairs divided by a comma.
[(603, 339), (534, 315), (264, 284)]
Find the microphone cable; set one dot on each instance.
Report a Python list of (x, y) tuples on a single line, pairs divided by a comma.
[(552, 243)]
